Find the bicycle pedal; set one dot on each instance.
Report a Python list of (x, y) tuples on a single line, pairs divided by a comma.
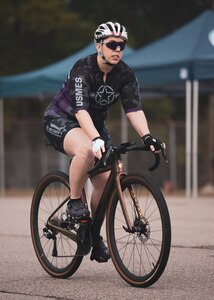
[(85, 220), (82, 219), (99, 259)]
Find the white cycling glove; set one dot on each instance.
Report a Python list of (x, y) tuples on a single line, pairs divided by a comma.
[(98, 145)]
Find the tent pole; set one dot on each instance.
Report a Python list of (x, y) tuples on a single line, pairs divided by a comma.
[(188, 138), (2, 163), (172, 154), (195, 140)]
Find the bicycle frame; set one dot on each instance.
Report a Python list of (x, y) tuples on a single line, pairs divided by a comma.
[(112, 187), (108, 193)]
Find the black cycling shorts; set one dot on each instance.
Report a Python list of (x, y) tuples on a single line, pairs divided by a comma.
[(55, 130)]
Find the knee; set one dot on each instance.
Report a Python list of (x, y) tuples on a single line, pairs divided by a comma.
[(86, 154)]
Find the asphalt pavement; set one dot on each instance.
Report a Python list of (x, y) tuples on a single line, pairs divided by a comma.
[(189, 273)]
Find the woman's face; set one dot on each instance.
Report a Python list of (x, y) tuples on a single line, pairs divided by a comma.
[(112, 49)]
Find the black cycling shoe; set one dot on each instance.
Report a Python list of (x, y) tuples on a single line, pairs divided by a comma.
[(100, 252), (77, 209)]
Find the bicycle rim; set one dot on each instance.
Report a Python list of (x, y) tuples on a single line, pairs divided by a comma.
[(140, 256), (52, 190)]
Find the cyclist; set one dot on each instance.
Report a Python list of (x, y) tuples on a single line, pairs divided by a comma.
[(74, 121)]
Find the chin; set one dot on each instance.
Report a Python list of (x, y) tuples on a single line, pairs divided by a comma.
[(115, 62)]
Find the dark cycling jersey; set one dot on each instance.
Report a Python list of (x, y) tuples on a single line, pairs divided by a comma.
[(85, 89)]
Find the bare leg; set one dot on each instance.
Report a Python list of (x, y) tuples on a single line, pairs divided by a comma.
[(98, 183), (78, 145)]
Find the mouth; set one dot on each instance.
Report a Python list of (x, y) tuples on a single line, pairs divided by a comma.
[(115, 57)]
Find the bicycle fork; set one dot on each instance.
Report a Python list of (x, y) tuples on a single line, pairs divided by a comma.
[(130, 228)]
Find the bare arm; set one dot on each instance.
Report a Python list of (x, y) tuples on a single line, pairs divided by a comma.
[(139, 122), (87, 124)]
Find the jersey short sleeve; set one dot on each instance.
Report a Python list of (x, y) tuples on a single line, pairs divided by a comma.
[(130, 94), (79, 87)]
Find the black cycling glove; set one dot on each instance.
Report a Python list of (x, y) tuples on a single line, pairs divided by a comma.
[(150, 141)]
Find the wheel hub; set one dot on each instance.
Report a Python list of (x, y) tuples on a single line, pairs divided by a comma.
[(142, 228)]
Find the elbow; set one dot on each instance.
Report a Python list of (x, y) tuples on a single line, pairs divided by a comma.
[(81, 113)]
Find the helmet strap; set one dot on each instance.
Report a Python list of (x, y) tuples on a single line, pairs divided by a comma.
[(105, 60)]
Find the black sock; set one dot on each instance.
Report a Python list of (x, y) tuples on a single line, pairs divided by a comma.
[(76, 199), (73, 200)]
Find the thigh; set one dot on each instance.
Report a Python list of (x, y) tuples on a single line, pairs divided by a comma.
[(55, 130), (75, 141)]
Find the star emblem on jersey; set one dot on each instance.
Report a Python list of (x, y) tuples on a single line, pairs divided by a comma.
[(105, 95)]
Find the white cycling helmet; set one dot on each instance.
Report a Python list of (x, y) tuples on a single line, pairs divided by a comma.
[(105, 30)]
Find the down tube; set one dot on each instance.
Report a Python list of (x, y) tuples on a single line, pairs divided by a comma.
[(99, 215)]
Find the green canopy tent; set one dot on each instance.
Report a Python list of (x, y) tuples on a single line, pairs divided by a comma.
[(46, 80), (187, 53), (178, 62)]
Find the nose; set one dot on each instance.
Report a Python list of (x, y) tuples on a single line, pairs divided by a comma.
[(118, 48)]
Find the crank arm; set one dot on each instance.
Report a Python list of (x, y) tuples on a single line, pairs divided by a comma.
[(54, 225)]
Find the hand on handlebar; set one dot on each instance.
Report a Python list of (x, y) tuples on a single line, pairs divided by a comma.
[(98, 147), (155, 145)]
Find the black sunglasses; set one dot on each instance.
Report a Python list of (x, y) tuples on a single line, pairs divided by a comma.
[(113, 45)]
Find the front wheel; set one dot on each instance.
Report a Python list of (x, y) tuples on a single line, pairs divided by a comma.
[(140, 255)]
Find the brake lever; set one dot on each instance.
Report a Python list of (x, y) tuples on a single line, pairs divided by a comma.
[(100, 163), (163, 151), (157, 158), (107, 156)]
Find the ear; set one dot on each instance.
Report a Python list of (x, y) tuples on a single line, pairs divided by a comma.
[(98, 47)]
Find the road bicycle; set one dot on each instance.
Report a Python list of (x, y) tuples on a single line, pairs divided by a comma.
[(138, 226)]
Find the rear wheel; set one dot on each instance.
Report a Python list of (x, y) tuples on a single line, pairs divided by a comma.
[(140, 255), (58, 254)]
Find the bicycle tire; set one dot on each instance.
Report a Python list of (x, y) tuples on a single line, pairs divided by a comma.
[(52, 189), (139, 259)]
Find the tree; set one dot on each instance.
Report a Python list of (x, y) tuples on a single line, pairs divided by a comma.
[(145, 20), (35, 33)]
